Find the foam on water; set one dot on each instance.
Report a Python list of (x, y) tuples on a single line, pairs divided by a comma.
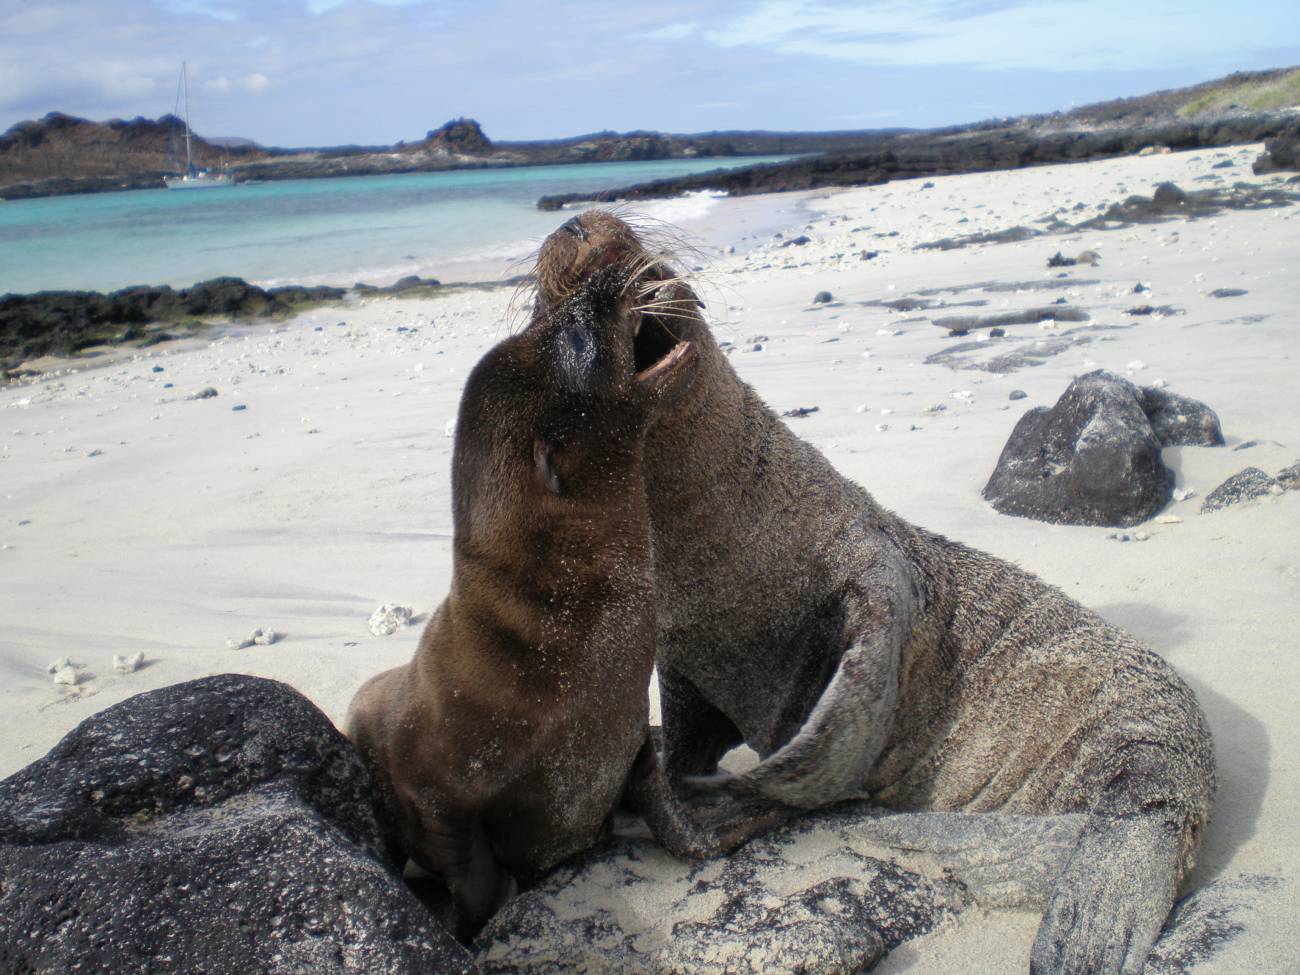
[(467, 224)]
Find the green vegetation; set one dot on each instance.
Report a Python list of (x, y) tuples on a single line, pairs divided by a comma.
[(1282, 91)]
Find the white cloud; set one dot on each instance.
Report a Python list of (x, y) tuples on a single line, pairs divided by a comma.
[(254, 83), (1051, 35), (217, 86)]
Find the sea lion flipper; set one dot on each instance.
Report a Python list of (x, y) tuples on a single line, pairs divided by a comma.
[(1112, 899), (719, 830), (830, 756)]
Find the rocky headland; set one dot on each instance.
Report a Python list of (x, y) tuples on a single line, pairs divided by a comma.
[(1240, 109)]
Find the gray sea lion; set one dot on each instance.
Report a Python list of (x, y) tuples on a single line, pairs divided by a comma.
[(508, 740), (862, 656)]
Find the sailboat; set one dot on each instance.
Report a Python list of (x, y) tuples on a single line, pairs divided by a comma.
[(194, 178)]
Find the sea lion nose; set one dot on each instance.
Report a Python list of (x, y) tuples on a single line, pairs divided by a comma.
[(574, 226)]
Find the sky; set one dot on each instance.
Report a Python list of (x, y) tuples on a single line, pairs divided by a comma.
[(371, 72)]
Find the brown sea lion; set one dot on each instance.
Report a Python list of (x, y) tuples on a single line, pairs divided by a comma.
[(508, 739), (862, 656)]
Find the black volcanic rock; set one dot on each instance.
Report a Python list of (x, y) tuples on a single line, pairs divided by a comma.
[(1246, 485), (62, 322), (221, 825), (1091, 459), (1180, 421), (1280, 152)]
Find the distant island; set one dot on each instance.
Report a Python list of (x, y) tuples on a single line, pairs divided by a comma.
[(60, 154)]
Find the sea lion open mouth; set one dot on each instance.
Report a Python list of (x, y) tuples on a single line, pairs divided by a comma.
[(651, 343), (678, 356)]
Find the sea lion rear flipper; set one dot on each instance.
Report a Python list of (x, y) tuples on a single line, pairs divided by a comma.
[(1112, 899)]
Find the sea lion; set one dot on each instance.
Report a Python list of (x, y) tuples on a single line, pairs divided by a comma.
[(862, 656), (507, 741)]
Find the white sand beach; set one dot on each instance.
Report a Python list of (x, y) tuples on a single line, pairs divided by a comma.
[(135, 519)]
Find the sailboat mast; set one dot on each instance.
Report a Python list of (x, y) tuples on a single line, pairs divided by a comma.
[(185, 82)]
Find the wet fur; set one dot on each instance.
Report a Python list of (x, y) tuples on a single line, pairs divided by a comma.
[(862, 656)]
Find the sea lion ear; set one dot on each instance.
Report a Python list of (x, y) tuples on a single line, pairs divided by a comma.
[(543, 466)]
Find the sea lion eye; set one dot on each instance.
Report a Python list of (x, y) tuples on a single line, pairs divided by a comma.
[(575, 354)]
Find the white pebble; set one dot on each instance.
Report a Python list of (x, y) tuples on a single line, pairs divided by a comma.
[(1183, 493), (1169, 520), (1137, 365), (388, 619), (450, 429), (56, 665), (66, 675), (127, 664), (861, 408)]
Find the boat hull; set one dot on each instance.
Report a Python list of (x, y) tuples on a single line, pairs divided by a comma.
[(201, 182)]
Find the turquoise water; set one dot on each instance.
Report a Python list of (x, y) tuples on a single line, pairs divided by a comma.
[(450, 225)]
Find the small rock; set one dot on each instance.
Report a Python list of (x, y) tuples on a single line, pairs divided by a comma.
[(95, 453), (1089, 258), (757, 347), (239, 408), (449, 430), (67, 675), (1140, 536), (206, 393), (1169, 520), (1060, 260), (1227, 292), (1120, 536), (1169, 195), (996, 333), (1140, 288), (797, 241), (127, 664), (56, 665), (388, 619), (861, 408), (1137, 365), (801, 411), (1018, 394), (1289, 477), (881, 427), (822, 297), (264, 638), (869, 255), (157, 369), (1247, 444), (1183, 493), (1247, 485)]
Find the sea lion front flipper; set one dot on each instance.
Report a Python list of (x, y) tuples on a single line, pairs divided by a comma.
[(831, 755), (715, 831), (1112, 899)]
